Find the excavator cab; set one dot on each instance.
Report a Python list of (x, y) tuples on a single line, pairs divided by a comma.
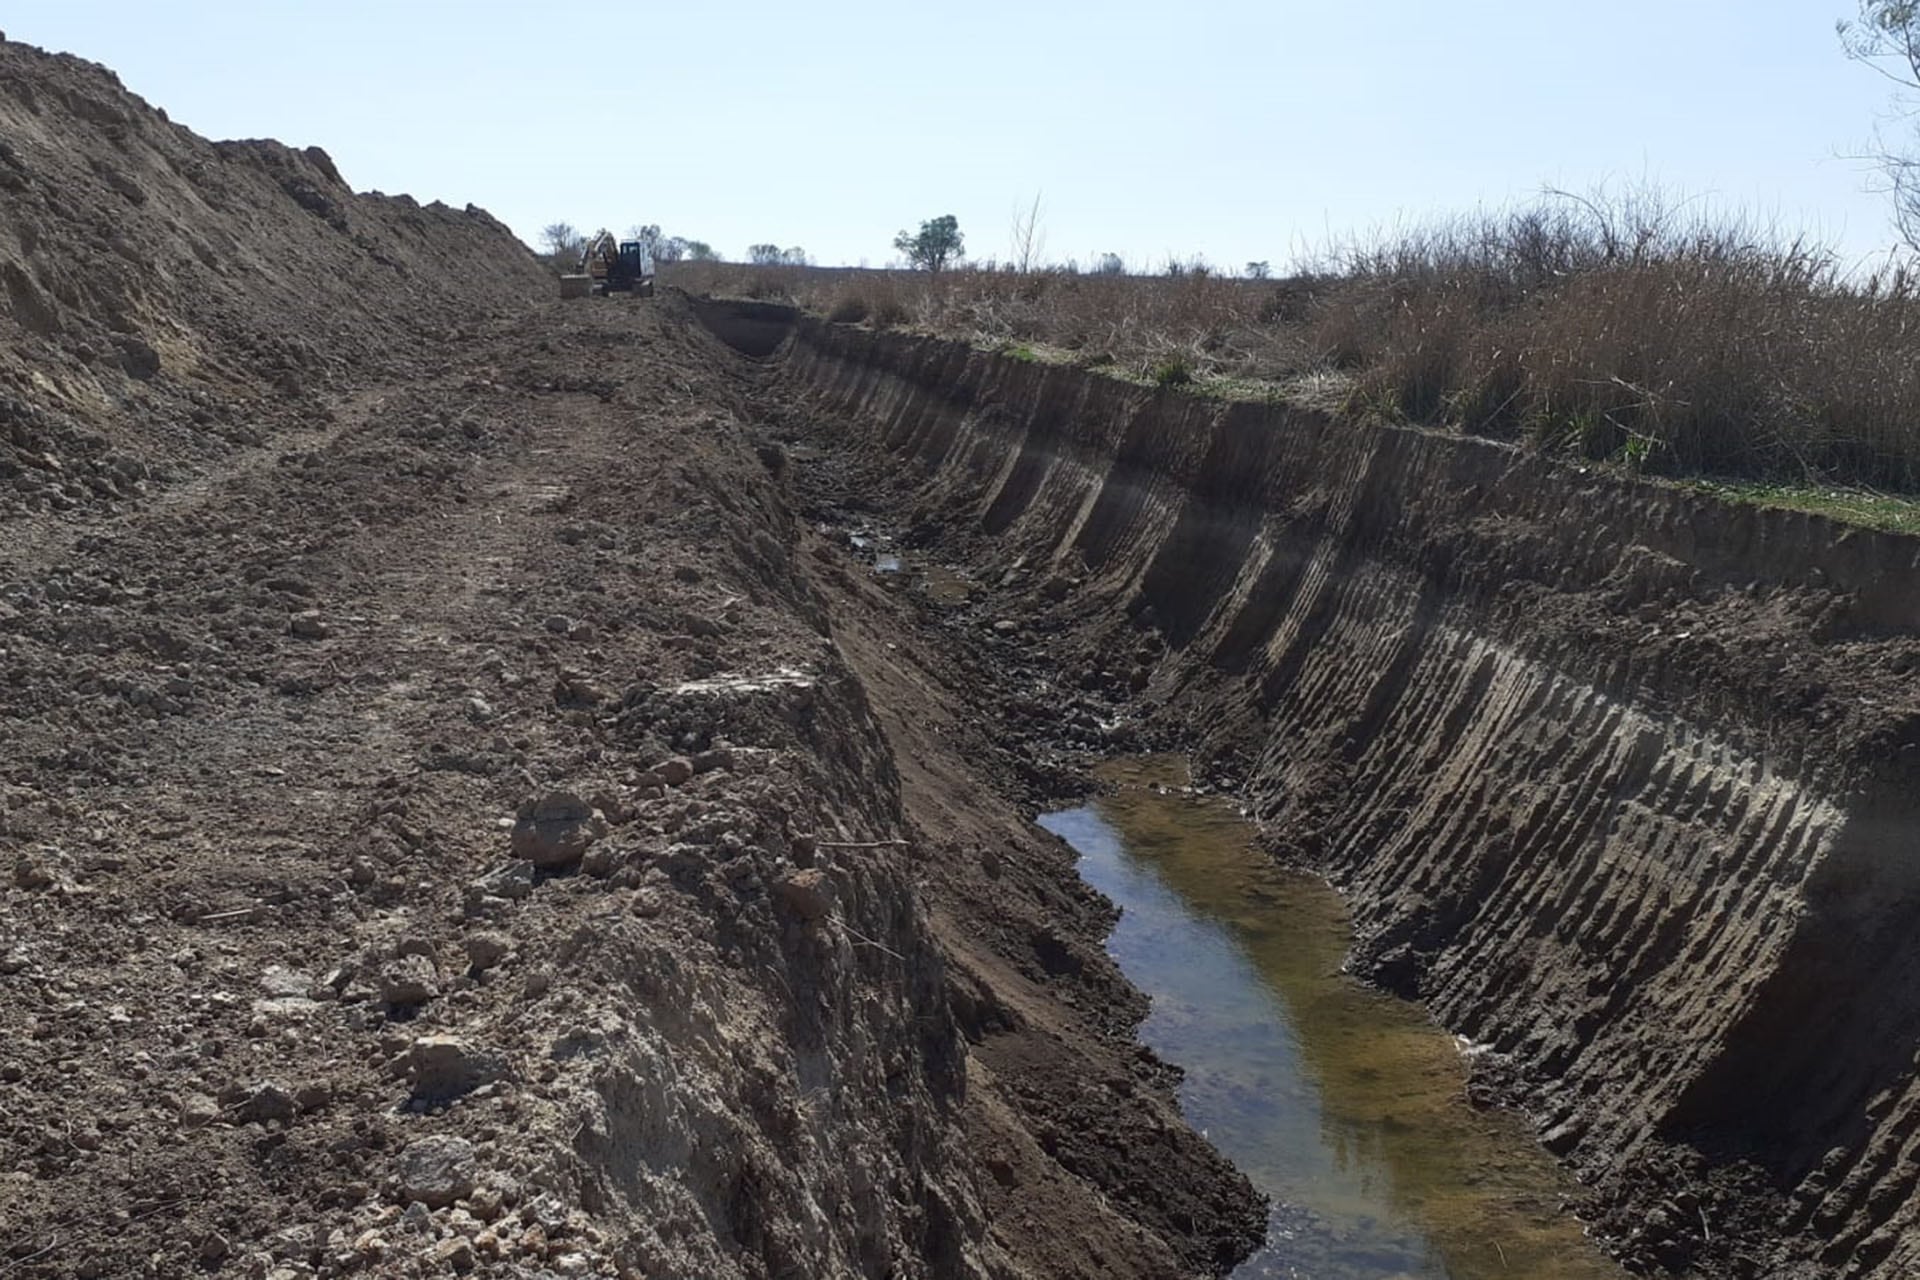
[(609, 268), (632, 270)]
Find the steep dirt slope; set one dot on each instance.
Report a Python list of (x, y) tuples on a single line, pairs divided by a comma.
[(1620, 779), (440, 831), (466, 838), (163, 297)]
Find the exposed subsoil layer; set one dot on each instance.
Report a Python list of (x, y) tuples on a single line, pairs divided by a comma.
[(467, 803), (1618, 778), (272, 974)]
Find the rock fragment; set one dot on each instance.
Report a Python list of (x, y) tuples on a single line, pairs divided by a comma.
[(675, 771), (408, 979), (446, 1066), (555, 831), (436, 1171)]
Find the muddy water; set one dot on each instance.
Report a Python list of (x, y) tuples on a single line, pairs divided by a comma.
[(941, 584), (1344, 1105)]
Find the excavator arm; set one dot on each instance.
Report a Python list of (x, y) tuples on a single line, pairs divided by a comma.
[(612, 267)]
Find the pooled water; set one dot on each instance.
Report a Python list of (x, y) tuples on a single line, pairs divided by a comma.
[(1346, 1106)]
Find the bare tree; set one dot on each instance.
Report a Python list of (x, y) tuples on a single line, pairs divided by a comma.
[(563, 240), (1029, 236), (1886, 37), (659, 246), (652, 241)]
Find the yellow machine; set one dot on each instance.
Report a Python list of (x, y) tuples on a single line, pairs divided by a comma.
[(622, 266)]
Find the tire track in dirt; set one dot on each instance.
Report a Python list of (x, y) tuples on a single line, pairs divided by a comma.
[(276, 995)]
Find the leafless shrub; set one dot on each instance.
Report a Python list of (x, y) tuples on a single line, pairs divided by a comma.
[(1636, 329)]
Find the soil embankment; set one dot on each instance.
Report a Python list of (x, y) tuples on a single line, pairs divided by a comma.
[(165, 299), (473, 840), (455, 818), (1618, 777), (466, 807)]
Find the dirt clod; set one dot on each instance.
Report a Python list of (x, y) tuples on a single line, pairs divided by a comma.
[(309, 625), (408, 980), (555, 831), (268, 1102), (485, 950), (808, 894), (456, 1255)]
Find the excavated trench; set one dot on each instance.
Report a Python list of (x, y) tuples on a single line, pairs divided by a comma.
[(1343, 1104), (1615, 777)]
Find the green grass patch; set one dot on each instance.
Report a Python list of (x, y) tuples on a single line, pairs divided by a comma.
[(1888, 512), (1174, 371)]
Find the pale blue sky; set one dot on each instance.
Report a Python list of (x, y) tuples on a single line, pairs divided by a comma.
[(1228, 128)]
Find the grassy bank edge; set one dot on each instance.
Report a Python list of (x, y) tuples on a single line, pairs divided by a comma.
[(1333, 394)]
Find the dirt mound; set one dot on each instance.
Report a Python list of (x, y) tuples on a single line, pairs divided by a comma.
[(163, 297), (454, 839)]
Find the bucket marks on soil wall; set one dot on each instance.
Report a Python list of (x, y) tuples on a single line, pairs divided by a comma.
[(1345, 1105), (1619, 779)]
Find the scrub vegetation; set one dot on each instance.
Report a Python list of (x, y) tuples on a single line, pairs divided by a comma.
[(1636, 330)]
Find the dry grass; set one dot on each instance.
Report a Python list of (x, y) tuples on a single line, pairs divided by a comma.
[(1213, 325), (1669, 344), (1630, 331)]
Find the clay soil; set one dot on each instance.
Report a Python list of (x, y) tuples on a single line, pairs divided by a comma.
[(280, 1000)]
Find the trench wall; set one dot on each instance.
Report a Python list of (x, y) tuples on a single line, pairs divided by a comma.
[(1619, 777)]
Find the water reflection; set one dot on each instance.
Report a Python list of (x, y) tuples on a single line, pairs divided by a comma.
[(1344, 1105)]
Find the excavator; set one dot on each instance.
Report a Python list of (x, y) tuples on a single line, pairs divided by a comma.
[(613, 266)]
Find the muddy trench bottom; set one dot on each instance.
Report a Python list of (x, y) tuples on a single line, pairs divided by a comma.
[(1345, 1105)]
